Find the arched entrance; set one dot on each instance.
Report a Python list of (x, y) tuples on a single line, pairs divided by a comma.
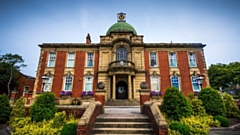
[(121, 90)]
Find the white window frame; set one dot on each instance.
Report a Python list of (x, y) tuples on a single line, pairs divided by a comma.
[(68, 80), (195, 85), (175, 80), (71, 59), (26, 89), (51, 59), (155, 81), (172, 57), (192, 59), (153, 57), (90, 56), (87, 81), (48, 84)]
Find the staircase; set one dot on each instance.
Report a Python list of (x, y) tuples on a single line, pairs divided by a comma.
[(122, 123)]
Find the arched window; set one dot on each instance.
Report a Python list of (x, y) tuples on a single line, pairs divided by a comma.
[(121, 54)]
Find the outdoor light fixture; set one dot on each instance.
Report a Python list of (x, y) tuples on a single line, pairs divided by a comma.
[(44, 81), (200, 81)]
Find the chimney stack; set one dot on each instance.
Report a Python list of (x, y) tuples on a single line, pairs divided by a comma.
[(88, 39)]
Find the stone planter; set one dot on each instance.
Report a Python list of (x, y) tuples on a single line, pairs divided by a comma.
[(65, 96), (155, 97), (87, 97), (65, 101)]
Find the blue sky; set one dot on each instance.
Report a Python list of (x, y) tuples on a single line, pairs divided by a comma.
[(26, 23)]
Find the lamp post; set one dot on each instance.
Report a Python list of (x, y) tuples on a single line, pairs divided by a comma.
[(44, 81), (200, 81)]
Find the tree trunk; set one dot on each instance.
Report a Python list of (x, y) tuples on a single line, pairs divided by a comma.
[(9, 81)]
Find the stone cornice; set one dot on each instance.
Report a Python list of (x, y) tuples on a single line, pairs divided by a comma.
[(145, 45)]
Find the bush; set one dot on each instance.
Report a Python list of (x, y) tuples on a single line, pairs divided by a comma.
[(175, 105), (44, 108), (59, 120), (196, 104), (232, 109), (195, 125), (5, 109), (183, 129), (18, 111), (212, 102), (25, 126), (69, 129), (223, 120)]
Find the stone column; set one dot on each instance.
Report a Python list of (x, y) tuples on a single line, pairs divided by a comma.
[(133, 86), (129, 88), (144, 94), (114, 88)]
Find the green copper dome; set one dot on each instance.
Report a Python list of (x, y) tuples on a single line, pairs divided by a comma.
[(121, 26)]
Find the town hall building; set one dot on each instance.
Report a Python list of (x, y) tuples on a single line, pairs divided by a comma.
[(121, 60)]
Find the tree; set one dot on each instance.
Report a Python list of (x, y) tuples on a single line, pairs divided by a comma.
[(10, 65), (224, 75), (175, 105)]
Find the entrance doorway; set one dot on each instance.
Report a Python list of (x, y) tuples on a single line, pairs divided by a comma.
[(121, 90)]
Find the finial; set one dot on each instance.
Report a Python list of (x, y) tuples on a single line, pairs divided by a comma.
[(121, 17)]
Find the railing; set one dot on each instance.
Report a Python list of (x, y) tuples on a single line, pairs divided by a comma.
[(121, 64)]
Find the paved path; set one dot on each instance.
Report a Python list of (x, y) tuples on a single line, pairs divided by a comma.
[(225, 132)]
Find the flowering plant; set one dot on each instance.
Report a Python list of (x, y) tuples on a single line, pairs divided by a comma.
[(196, 93), (155, 93), (65, 93), (87, 93)]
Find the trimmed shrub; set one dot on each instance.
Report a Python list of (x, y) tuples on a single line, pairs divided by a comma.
[(181, 128), (232, 109), (223, 120), (175, 105), (69, 129), (212, 102), (5, 109), (44, 108), (196, 104)]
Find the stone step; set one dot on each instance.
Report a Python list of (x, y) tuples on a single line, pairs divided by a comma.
[(122, 131), (123, 119), (122, 125), (122, 103)]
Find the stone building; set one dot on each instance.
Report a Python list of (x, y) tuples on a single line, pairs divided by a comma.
[(122, 60)]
